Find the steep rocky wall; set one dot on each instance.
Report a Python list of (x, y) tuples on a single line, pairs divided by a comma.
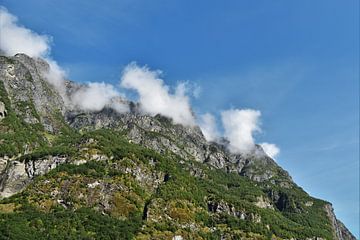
[(16, 175), (340, 231), (24, 81)]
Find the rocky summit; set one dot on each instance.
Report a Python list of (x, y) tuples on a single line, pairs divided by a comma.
[(66, 173)]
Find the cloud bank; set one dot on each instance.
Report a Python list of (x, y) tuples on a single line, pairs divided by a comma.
[(155, 97)]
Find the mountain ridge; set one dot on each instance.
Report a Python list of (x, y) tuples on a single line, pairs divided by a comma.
[(55, 137)]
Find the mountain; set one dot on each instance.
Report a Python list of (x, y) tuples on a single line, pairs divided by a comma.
[(66, 173)]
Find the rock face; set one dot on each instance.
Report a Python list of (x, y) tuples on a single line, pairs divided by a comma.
[(36, 102), (160, 134), (24, 81), (223, 207), (16, 175), (13, 178), (3, 111), (340, 231)]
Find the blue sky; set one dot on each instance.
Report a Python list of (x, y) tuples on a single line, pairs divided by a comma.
[(295, 61)]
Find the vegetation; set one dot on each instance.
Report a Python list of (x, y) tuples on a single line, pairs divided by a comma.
[(186, 198), (135, 192), (84, 223), (17, 136)]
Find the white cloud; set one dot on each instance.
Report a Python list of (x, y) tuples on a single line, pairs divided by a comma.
[(270, 149), (95, 96), (207, 123), (119, 106), (55, 75), (15, 38), (239, 126), (155, 97)]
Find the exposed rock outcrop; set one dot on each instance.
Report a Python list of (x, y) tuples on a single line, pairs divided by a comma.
[(16, 175), (3, 111), (221, 207), (160, 134), (24, 81), (339, 230)]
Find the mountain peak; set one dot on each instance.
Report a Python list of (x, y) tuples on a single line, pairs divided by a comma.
[(135, 174)]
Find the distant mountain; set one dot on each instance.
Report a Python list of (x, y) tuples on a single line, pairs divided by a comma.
[(66, 173)]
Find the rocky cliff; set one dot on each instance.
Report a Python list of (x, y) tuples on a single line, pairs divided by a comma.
[(141, 176)]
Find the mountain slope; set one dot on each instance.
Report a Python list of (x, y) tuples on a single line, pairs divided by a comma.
[(68, 173)]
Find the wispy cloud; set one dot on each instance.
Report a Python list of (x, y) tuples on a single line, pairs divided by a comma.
[(270, 149), (95, 96), (155, 97), (239, 126), (207, 123)]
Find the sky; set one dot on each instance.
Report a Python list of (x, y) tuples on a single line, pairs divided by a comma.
[(295, 61)]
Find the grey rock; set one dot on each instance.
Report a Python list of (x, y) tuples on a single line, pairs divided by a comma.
[(23, 78), (42, 166), (340, 232), (160, 134), (263, 202), (13, 179), (3, 111), (221, 207), (16, 175)]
